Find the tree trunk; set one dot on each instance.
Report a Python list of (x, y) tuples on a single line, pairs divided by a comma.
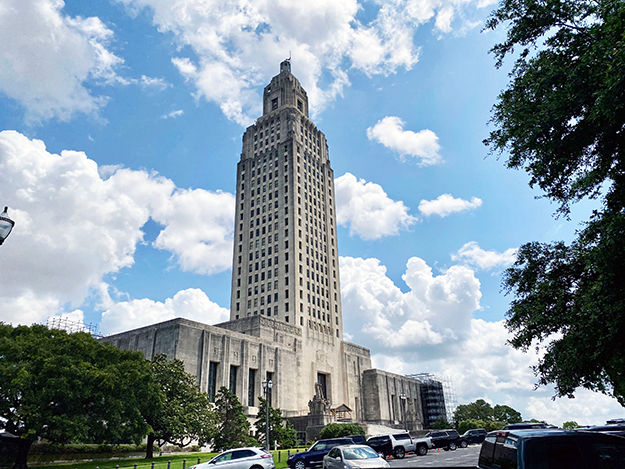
[(149, 452), (23, 447)]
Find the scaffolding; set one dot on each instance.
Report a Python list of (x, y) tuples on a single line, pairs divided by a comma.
[(65, 324), (438, 397)]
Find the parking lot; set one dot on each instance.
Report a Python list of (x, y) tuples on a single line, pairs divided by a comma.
[(466, 457)]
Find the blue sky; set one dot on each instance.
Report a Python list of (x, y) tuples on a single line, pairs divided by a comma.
[(121, 128)]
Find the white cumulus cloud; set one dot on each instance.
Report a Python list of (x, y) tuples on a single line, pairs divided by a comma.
[(446, 204), (237, 46), (368, 210), (431, 328), (190, 304), (47, 59), (75, 225), (422, 145), (434, 315), (472, 254)]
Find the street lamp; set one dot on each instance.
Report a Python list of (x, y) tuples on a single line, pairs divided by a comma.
[(6, 225), (267, 385), (403, 398)]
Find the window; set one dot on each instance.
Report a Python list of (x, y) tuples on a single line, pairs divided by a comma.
[(251, 387), (233, 378), (212, 380)]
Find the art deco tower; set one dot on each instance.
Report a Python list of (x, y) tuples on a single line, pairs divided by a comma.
[(285, 250)]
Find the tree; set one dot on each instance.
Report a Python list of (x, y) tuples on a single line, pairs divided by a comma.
[(337, 430), (478, 410), (504, 413), (561, 119), (184, 413), (279, 431), (441, 424), (69, 388), (233, 429), (572, 425), (494, 425), (471, 424)]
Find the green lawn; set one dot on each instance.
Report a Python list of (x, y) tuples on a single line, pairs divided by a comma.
[(162, 462)]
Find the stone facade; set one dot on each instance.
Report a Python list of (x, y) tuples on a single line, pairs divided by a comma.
[(383, 404), (286, 319)]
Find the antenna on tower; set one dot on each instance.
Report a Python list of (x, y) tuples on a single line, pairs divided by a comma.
[(289, 56)]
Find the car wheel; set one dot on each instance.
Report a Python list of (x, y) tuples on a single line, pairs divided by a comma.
[(300, 464), (463, 444), (256, 467), (452, 446), (422, 450), (400, 453)]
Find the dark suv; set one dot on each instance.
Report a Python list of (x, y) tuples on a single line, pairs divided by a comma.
[(548, 448), (314, 456), (472, 437), (617, 429), (446, 439)]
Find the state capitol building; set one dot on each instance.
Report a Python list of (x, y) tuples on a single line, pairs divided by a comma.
[(285, 312)]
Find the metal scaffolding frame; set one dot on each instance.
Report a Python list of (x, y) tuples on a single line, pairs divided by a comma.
[(65, 324), (439, 397)]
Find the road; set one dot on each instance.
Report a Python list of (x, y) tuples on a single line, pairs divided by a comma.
[(466, 457)]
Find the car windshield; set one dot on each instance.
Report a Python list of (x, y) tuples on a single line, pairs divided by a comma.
[(359, 453)]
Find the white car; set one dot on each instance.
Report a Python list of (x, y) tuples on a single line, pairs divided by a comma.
[(239, 458), (354, 457)]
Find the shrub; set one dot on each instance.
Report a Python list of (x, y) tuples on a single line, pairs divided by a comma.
[(470, 424), (54, 448), (337, 430)]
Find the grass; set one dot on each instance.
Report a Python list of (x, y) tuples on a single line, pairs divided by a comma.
[(160, 462)]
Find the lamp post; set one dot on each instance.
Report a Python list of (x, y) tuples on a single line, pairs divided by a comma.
[(403, 398), (267, 385), (6, 225)]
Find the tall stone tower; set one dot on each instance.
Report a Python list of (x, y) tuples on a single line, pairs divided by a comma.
[(285, 263), (285, 316)]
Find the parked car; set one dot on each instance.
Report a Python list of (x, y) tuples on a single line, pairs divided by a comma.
[(525, 426), (240, 458), (398, 444), (617, 429), (358, 439), (474, 436), (354, 457), (551, 448), (314, 456), (446, 439)]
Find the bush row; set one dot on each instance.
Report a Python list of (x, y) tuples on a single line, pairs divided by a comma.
[(53, 448)]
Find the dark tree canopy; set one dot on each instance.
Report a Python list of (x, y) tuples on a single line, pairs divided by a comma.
[(233, 429), (562, 119), (488, 425), (183, 414), (480, 414), (506, 414), (279, 431), (69, 388), (478, 410), (441, 424)]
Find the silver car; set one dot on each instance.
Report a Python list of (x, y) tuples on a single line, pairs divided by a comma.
[(353, 457), (239, 458)]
